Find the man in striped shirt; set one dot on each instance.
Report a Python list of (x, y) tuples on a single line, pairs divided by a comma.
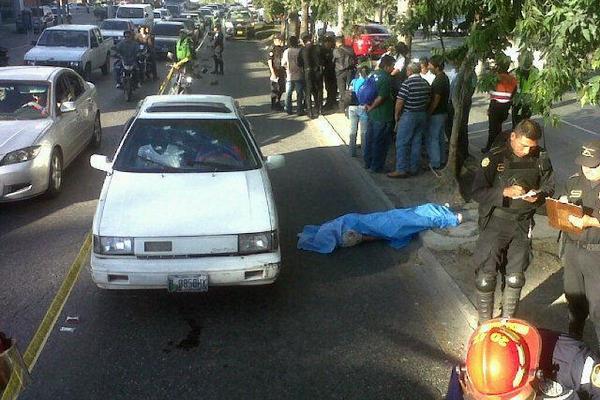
[(411, 117)]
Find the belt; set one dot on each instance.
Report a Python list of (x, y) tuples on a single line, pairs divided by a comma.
[(503, 214)]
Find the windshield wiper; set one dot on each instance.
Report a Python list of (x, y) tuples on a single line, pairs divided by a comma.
[(216, 165)]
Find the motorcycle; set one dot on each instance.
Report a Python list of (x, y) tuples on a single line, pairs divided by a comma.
[(145, 63), (128, 78), (177, 81)]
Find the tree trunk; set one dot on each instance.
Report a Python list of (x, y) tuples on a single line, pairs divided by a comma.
[(305, 19), (340, 16)]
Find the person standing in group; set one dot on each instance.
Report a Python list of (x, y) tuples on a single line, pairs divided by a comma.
[(513, 181), (277, 78), (294, 80), (357, 114), (310, 60), (380, 126), (146, 38), (463, 132), (218, 46), (438, 113), (398, 73), (581, 250), (425, 71), (329, 72), (500, 101), (411, 117), (344, 60), (520, 106)]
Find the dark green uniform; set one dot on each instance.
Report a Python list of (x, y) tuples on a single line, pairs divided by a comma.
[(505, 224), (278, 83)]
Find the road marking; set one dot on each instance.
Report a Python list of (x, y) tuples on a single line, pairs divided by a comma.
[(42, 334), (580, 128)]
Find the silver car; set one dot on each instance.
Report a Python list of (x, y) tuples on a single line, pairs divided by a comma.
[(48, 116)]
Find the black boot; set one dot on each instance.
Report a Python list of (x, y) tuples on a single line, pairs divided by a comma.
[(485, 305), (510, 301)]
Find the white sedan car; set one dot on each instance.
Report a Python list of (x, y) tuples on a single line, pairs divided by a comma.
[(187, 201)]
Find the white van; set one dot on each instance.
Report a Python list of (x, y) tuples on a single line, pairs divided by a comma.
[(139, 14)]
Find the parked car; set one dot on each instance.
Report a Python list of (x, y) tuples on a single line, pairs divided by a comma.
[(368, 40), (187, 202), (166, 35), (239, 24), (114, 29), (138, 14), (48, 116), (80, 47), (162, 14)]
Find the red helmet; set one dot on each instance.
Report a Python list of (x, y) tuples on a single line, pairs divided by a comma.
[(502, 361)]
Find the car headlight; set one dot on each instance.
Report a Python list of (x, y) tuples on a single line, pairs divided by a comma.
[(22, 155), (257, 242), (29, 62), (74, 64), (116, 246)]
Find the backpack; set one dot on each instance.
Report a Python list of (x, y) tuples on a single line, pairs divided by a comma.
[(368, 91)]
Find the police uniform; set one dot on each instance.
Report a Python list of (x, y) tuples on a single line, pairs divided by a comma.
[(505, 224), (581, 251), (568, 368), (277, 85), (329, 76), (310, 59)]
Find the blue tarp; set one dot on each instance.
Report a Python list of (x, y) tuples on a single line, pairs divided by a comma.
[(397, 226)]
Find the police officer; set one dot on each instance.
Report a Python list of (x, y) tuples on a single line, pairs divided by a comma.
[(277, 72), (329, 72), (513, 181), (310, 59), (581, 250), (510, 359)]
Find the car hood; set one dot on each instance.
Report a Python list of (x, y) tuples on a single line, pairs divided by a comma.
[(57, 53), (183, 204), (15, 135)]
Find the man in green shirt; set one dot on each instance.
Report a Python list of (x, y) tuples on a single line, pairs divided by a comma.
[(381, 118)]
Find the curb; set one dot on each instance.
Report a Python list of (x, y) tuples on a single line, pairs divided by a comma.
[(450, 314)]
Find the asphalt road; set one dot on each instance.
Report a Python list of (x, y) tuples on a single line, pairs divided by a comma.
[(339, 326)]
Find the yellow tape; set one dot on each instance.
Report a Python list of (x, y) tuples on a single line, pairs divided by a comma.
[(40, 337)]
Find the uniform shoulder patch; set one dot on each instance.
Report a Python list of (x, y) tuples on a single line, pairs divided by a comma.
[(485, 162), (595, 378)]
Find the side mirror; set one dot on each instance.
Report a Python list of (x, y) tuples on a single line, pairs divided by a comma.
[(100, 162), (67, 106), (275, 162)]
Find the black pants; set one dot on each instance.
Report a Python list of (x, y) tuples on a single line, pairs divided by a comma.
[(277, 89), (331, 88), (218, 60), (519, 112), (313, 94), (498, 113), (343, 80), (582, 288), (463, 134), (503, 246)]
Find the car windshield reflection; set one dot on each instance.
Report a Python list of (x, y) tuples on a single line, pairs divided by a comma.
[(186, 146)]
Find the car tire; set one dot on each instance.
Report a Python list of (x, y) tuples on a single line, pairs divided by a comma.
[(106, 67), (96, 140), (87, 72), (55, 175)]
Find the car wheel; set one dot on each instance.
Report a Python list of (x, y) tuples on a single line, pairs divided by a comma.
[(106, 67), (96, 133), (55, 176), (87, 72)]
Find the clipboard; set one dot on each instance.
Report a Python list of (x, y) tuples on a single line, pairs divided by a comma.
[(558, 215)]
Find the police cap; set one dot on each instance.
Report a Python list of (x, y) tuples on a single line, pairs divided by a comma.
[(589, 155)]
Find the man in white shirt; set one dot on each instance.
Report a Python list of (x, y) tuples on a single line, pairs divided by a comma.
[(294, 76)]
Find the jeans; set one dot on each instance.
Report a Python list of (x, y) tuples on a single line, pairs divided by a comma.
[(290, 86), (435, 140), (409, 137), (359, 120), (376, 144)]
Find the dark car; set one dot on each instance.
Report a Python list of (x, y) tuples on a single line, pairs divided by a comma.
[(190, 26), (239, 23), (166, 35), (368, 40)]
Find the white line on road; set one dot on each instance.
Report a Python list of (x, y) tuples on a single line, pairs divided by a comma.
[(579, 127)]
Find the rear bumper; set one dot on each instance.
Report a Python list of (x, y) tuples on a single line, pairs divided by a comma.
[(136, 273)]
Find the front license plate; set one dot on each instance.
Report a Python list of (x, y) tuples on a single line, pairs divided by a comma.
[(188, 283)]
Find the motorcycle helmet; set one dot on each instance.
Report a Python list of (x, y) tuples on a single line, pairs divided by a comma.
[(502, 361)]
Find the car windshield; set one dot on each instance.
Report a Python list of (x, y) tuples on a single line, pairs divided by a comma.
[(187, 145), (167, 29), (114, 25), (67, 38), (23, 100), (374, 30), (130, 12)]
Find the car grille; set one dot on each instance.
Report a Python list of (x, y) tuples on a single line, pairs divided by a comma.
[(53, 63), (186, 247)]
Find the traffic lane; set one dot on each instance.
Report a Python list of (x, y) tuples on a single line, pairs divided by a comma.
[(40, 237), (338, 326)]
